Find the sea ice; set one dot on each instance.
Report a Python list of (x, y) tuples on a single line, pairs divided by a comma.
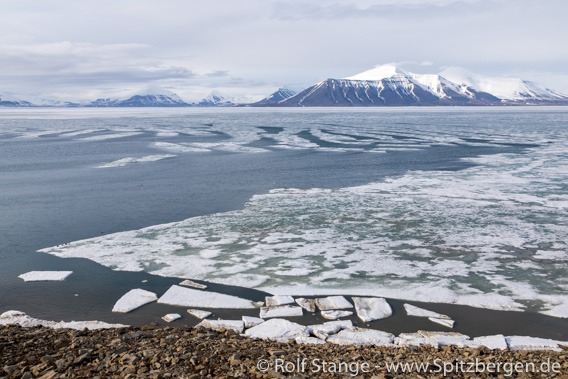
[(372, 308), (278, 330), (361, 336), (20, 318), (189, 297), (443, 321), (333, 302), (308, 304), (133, 299), (445, 338), (234, 325), (280, 311), (191, 283), (334, 315), (413, 310), (199, 313), (40, 276), (171, 317), (250, 321), (271, 301)]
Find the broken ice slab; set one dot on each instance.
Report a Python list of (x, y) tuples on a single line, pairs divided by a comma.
[(413, 310), (44, 276), (331, 327), (278, 329), (25, 321), (199, 313), (492, 342), (191, 283), (534, 343), (189, 297), (133, 299), (333, 302), (334, 315), (236, 326), (250, 321), (303, 340), (308, 304), (272, 301), (171, 317), (281, 311), (372, 308), (360, 336), (443, 321)]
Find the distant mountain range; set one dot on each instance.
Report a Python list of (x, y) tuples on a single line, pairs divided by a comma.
[(385, 85)]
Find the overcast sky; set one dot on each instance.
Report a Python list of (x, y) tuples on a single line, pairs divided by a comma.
[(88, 49)]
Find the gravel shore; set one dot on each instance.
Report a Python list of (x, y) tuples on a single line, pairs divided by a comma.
[(151, 352)]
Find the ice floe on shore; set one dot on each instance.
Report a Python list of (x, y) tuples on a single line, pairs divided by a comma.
[(45, 276), (22, 319), (134, 299)]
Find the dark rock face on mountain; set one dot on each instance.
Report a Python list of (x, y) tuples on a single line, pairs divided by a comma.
[(384, 92), (276, 97)]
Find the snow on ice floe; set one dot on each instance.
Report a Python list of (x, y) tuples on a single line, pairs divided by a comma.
[(191, 283), (171, 317), (281, 311), (250, 321), (133, 299), (492, 342), (189, 297), (236, 326), (361, 336), (449, 323), (371, 308), (42, 276), (474, 236), (333, 302), (20, 318), (334, 315), (308, 304), (413, 310), (130, 160), (199, 313), (330, 327), (277, 329), (534, 343), (271, 301)]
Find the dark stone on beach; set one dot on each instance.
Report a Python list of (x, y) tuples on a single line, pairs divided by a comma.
[(189, 353)]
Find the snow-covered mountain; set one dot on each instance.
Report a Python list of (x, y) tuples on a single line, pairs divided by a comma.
[(507, 89), (388, 85), (149, 98), (281, 94), (13, 101), (218, 99)]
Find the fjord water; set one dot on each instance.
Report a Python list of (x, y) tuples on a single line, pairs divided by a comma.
[(461, 205)]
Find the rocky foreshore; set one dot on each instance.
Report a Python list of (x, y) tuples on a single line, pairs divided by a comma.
[(151, 352)]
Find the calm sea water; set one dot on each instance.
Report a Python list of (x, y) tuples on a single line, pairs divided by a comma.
[(462, 205)]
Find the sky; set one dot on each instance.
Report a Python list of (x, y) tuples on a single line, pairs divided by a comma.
[(90, 49)]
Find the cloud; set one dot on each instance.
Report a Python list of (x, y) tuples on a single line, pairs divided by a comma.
[(302, 10)]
